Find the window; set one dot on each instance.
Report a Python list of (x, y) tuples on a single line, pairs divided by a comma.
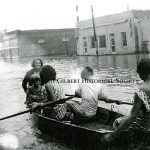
[(111, 35), (65, 39), (41, 41), (14, 52), (124, 38), (6, 43), (12, 42), (85, 44), (102, 41), (92, 42)]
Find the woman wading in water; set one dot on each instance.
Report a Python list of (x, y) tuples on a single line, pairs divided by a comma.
[(36, 67)]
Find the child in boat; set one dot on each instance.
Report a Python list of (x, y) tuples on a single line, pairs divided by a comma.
[(54, 93), (36, 92), (134, 129), (90, 94)]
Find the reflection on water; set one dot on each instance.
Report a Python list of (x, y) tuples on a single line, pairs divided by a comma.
[(12, 96)]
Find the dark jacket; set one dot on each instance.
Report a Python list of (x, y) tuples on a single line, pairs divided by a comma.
[(26, 81)]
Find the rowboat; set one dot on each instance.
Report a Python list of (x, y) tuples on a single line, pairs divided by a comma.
[(87, 133), (84, 133)]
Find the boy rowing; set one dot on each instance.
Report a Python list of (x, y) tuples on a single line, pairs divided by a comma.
[(89, 93)]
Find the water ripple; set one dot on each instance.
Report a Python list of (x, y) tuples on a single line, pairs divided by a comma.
[(13, 97)]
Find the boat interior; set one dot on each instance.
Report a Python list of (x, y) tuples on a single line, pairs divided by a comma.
[(101, 122)]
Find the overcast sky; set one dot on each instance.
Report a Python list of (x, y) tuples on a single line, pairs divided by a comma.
[(42, 14)]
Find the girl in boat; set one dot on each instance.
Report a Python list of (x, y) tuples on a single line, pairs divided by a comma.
[(36, 92), (54, 93), (89, 93), (36, 67), (135, 127)]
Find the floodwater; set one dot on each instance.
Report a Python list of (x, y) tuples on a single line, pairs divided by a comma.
[(18, 132)]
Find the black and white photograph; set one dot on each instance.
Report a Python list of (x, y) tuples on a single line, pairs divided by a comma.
[(74, 75)]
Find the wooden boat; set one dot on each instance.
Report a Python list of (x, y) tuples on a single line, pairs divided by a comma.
[(85, 133)]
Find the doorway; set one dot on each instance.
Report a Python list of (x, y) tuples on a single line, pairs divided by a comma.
[(112, 43), (85, 45)]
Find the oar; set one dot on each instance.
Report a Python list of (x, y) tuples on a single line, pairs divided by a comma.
[(112, 101), (117, 102), (58, 102), (17, 114), (47, 104)]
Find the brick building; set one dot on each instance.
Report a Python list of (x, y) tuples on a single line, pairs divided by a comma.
[(28, 43)]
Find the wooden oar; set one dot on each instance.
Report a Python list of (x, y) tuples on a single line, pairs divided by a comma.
[(112, 101), (47, 104)]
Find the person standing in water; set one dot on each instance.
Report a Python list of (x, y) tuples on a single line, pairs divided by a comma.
[(36, 67)]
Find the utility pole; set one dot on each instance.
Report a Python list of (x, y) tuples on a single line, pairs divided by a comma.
[(65, 40), (77, 17), (66, 44), (95, 38), (77, 29)]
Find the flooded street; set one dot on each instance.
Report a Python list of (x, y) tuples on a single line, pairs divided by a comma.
[(120, 68)]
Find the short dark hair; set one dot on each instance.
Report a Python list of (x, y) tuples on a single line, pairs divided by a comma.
[(47, 73), (143, 68), (33, 62), (34, 77), (89, 69)]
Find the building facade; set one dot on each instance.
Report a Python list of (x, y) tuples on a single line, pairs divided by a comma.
[(30, 43), (123, 33)]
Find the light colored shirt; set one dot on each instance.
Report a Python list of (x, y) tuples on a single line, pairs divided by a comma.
[(90, 92)]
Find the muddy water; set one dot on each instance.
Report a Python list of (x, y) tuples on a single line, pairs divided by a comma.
[(18, 132)]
